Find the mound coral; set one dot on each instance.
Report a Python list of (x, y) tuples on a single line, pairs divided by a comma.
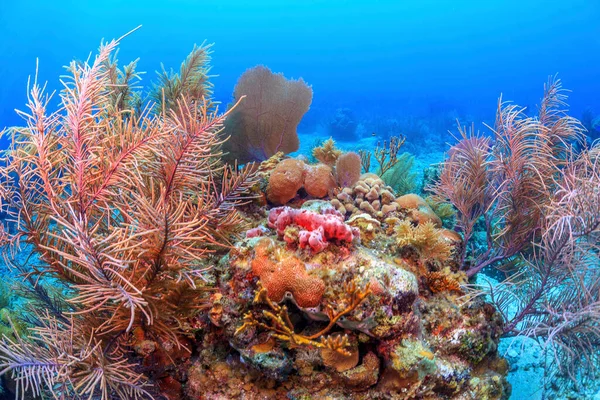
[(318, 181), (291, 175), (285, 181)]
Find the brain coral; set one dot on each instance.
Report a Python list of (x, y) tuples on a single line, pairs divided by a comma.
[(286, 275)]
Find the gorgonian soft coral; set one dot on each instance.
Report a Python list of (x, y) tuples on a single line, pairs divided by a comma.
[(121, 208), (536, 192), (508, 185)]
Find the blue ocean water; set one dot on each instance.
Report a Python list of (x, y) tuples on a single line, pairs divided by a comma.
[(380, 57), (382, 65)]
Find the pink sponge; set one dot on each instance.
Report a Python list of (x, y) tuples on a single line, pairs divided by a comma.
[(317, 229)]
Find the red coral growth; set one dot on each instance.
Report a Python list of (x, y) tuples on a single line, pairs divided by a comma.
[(318, 229), (286, 275)]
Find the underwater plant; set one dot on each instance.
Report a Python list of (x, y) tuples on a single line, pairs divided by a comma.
[(122, 210)]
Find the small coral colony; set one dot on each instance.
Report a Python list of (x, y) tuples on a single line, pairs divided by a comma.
[(168, 250)]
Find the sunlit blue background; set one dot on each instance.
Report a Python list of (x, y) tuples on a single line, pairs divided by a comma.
[(376, 56)]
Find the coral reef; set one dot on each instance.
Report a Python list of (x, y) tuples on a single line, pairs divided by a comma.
[(343, 125), (377, 349), (163, 272)]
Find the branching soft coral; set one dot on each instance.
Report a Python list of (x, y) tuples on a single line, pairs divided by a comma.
[(509, 184), (539, 200), (557, 292), (425, 238), (191, 82), (125, 82), (121, 208)]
